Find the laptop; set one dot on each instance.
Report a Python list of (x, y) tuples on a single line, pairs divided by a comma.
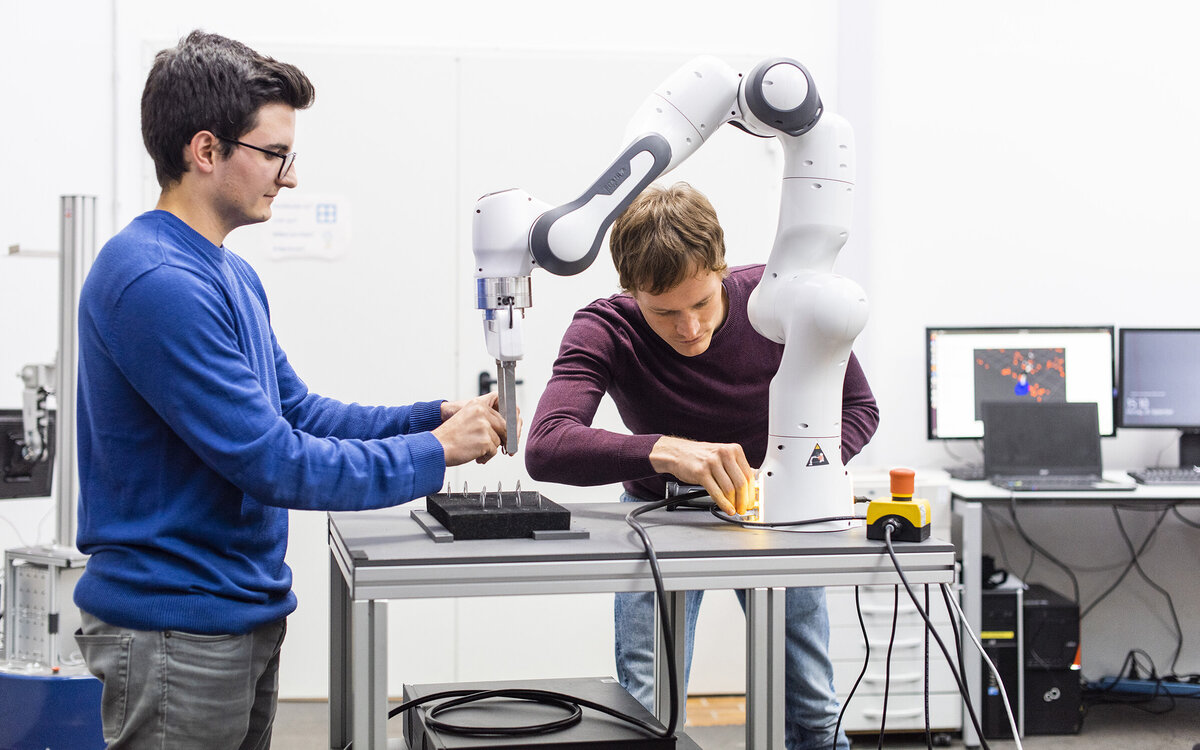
[(1044, 447)]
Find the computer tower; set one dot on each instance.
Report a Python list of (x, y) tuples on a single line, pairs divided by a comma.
[(1053, 701), (1053, 694), (1001, 635)]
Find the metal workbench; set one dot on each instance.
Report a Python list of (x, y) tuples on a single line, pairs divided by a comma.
[(380, 555)]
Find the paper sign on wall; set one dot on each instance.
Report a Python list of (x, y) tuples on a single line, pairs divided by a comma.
[(309, 227)]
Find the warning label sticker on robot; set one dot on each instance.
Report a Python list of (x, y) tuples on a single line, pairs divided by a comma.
[(817, 457)]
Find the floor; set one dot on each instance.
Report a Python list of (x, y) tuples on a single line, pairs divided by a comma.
[(717, 724)]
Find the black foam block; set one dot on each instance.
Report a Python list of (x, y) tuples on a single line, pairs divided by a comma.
[(500, 515)]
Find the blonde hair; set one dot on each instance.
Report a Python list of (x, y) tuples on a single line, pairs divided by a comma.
[(665, 237)]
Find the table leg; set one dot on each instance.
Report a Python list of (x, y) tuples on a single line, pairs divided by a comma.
[(367, 703), (339, 658), (765, 644), (970, 549), (662, 680)]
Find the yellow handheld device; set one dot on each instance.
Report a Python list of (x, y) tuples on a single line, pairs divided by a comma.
[(908, 517)]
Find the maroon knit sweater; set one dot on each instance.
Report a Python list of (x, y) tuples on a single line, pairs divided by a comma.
[(719, 396)]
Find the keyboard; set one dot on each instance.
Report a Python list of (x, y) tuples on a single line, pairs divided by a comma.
[(1167, 475)]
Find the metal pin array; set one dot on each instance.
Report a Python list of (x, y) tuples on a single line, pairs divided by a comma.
[(483, 494)]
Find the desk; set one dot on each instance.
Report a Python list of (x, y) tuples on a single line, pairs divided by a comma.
[(381, 555), (967, 499)]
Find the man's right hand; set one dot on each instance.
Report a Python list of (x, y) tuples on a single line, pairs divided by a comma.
[(473, 432), (720, 468)]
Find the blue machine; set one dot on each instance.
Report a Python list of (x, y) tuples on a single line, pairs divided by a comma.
[(50, 712)]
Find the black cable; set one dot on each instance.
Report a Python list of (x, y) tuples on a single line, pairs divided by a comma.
[(462, 697), (955, 624), (990, 515), (1108, 695), (866, 660), (660, 591), (888, 528), (924, 616), (994, 519), (572, 704), (1185, 519), (958, 649), (946, 447), (1128, 567), (887, 662), (1038, 548), (780, 524), (1132, 564), (1155, 586), (928, 733)]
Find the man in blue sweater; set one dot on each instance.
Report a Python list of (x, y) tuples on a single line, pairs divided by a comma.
[(196, 435)]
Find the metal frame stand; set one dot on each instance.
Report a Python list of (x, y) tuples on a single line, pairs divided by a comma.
[(39, 581)]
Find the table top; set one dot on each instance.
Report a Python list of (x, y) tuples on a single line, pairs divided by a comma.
[(984, 491), (387, 554)]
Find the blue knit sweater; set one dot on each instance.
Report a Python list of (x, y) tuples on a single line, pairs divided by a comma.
[(196, 436)]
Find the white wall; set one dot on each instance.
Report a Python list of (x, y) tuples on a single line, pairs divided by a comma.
[(1019, 163), (1033, 163)]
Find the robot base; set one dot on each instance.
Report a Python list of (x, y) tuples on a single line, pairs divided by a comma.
[(815, 486), (596, 731)]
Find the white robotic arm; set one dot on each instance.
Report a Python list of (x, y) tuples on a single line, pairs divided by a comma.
[(815, 314), (800, 302)]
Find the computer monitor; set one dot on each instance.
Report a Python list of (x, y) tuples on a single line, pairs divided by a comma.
[(18, 476), (1159, 384), (967, 367)]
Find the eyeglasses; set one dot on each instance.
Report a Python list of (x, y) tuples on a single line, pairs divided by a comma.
[(288, 159)]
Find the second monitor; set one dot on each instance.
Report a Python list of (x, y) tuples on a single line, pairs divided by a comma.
[(1160, 384), (967, 367)]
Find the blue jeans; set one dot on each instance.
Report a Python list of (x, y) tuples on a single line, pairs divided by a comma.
[(169, 689), (810, 706)]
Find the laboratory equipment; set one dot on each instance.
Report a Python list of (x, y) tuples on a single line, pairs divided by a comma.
[(800, 303)]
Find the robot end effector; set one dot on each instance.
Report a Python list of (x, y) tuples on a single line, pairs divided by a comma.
[(502, 266)]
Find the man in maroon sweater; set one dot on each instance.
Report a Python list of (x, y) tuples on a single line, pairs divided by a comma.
[(690, 378)]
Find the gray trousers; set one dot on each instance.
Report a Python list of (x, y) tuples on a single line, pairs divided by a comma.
[(169, 690)]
